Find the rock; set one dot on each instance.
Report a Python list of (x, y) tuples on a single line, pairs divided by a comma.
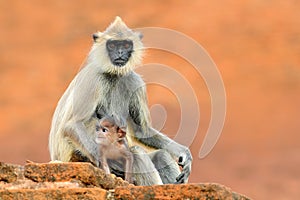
[(179, 191), (10, 173), (63, 193), (61, 180), (84, 172)]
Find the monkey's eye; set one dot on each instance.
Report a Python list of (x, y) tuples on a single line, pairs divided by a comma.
[(104, 130), (111, 45), (126, 46)]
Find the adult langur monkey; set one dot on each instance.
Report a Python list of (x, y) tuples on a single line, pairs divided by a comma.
[(107, 85)]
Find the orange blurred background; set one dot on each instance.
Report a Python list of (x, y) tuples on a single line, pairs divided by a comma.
[(255, 44)]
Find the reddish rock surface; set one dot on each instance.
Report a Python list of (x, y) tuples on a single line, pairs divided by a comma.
[(62, 193), (186, 191), (10, 173), (60, 172), (83, 181), (255, 45)]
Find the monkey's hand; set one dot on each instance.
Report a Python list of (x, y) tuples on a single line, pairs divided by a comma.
[(185, 161)]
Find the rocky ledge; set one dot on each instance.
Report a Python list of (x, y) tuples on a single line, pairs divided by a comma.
[(84, 181)]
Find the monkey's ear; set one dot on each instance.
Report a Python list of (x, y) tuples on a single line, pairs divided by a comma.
[(122, 132), (96, 36)]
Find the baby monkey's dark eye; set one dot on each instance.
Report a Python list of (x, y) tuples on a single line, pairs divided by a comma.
[(104, 130)]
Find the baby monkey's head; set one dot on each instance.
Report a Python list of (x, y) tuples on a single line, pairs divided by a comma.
[(108, 132)]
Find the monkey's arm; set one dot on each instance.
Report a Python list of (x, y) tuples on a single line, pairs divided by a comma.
[(103, 160), (144, 133), (76, 132), (80, 125)]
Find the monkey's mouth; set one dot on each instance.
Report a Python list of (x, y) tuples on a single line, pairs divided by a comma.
[(101, 137), (101, 140), (120, 62)]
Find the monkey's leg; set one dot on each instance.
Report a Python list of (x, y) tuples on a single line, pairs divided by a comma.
[(82, 141), (77, 156), (166, 166), (104, 164), (116, 167), (128, 166), (144, 171), (180, 152)]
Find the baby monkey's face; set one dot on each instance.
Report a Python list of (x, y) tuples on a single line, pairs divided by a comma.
[(108, 133)]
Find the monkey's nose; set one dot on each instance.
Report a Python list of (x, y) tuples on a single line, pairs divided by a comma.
[(120, 52)]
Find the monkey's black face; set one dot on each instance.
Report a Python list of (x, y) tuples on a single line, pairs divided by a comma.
[(119, 51)]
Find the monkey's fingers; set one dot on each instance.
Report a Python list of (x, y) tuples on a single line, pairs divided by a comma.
[(185, 162), (184, 175), (180, 179)]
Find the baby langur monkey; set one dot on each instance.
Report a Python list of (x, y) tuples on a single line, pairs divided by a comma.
[(113, 145)]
